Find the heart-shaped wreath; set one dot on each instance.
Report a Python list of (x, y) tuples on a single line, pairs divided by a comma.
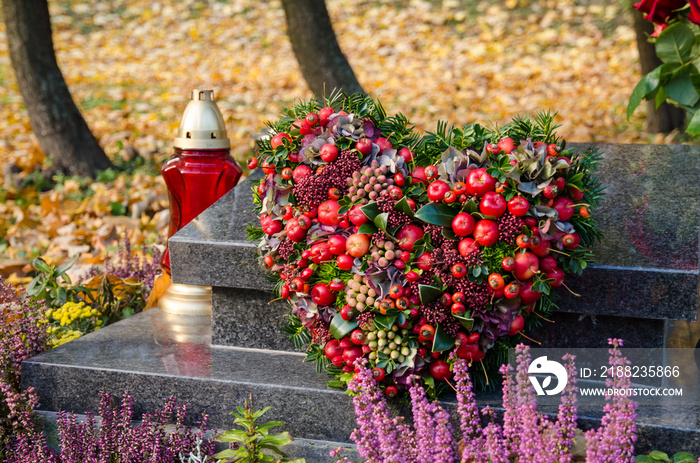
[(401, 248)]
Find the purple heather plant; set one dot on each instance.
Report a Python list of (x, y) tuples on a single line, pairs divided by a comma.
[(136, 266), (21, 337), (614, 440), (524, 436), (117, 439)]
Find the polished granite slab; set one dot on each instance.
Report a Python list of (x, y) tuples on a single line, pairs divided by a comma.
[(646, 267), (155, 355)]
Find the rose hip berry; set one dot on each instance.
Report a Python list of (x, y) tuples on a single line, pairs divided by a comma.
[(496, 281), (459, 271), (378, 373), (508, 264)]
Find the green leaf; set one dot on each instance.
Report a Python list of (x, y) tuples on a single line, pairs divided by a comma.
[(470, 207), (41, 265), (402, 206), (694, 124), (683, 457), (341, 328), (273, 448), (660, 98), (644, 459), (381, 220), (442, 341), (230, 454), (681, 89), (385, 321), (675, 43), (32, 290), (467, 323), (280, 439), (437, 214), (117, 208), (368, 228), (429, 293), (656, 455), (653, 80), (449, 233), (370, 210), (233, 436)]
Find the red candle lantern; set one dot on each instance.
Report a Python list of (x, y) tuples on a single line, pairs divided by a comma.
[(200, 171)]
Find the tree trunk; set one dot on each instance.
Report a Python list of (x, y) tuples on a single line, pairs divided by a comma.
[(322, 64), (62, 132), (668, 117)]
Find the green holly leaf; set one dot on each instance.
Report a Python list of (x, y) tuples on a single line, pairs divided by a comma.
[(341, 328), (402, 206), (381, 221), (467, 323), (385, 321), (371, 210), (368, 228), (429, 293), (442, 341), (437, 214)]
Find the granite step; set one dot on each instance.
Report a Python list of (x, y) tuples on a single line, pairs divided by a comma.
[(155, 355)]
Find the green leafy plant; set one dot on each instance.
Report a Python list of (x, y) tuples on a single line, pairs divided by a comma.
[(46, 284), (254, 438), (677, 79), (656, 456)]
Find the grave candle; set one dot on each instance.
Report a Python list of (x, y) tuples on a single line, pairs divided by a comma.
[(200, 171)]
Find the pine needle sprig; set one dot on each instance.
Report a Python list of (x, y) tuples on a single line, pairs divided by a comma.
[(297, 332)]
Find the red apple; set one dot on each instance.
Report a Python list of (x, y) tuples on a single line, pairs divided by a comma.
[(518, 206), (557, 275), (437, 190), (479, 182), (300, 172), (356, 216), (527, 295), (463, 224), (322, 295), (507, 145), (418, 175), (357, 245), (466, 246), (470, 352), (345, 262), (516, 325), (277, 140), (383, 144), (406, 154), (364, 146), (408, 235), (493, 204), (486, 232), (329, 152), (328, 212), (336, 244), (526, 264), (320, 252), (564, 207)]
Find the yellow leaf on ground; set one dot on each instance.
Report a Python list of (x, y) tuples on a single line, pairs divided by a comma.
[(159, 287)]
